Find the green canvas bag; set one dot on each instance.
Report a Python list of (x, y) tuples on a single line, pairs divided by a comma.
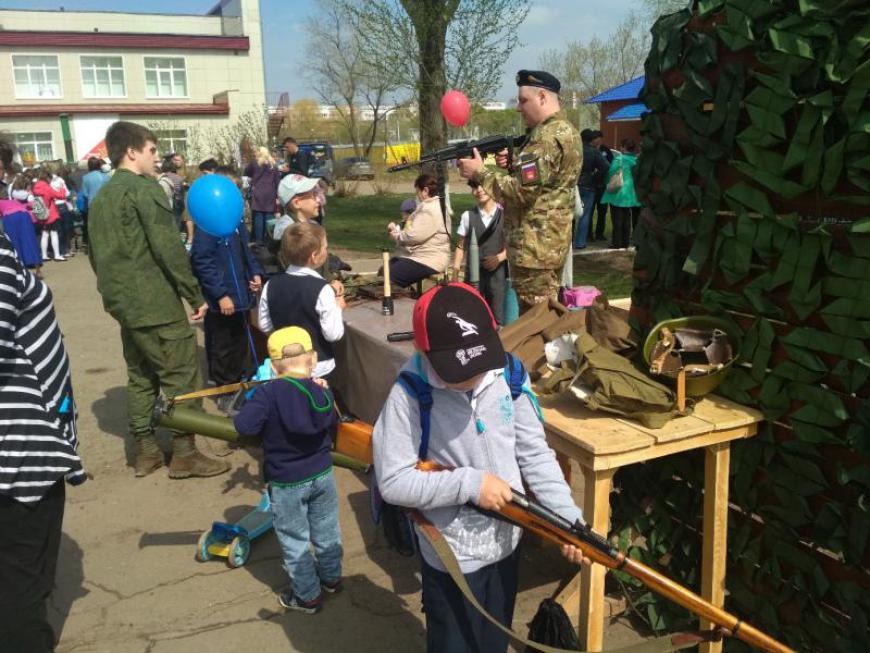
[(607, 381)]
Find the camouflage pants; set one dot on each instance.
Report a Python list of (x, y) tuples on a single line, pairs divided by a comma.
[(158, 357), (534, 285)]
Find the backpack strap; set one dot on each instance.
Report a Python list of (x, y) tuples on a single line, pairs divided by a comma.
[(518, 380), (418, 388)]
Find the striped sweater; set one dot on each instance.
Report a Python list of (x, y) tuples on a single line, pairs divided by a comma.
[(38, 442)]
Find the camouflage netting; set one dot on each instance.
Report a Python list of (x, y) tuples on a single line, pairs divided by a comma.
[(755, 170)]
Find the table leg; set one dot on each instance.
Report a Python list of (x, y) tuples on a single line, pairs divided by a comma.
[(565, 465), (596, 511), (717, 458)]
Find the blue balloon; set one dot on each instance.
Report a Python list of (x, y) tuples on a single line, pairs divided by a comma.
[(215, 203)]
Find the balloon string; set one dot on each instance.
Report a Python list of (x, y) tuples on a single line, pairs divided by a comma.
[(239, 293)]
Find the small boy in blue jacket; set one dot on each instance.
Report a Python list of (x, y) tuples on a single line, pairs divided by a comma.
[(294, 415), (230, 277)]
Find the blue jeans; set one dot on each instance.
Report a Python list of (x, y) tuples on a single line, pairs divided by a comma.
[(581, 228), (258, 223), (306, 516)]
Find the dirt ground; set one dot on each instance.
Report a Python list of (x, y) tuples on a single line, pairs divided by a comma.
[(127, 579)]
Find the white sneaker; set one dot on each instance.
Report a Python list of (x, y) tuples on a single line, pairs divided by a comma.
[(59, 258)]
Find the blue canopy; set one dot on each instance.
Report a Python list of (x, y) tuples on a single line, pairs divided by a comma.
[(628, 112), (630, 90)]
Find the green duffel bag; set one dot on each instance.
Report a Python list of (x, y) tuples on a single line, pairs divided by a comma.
[(607, 381)]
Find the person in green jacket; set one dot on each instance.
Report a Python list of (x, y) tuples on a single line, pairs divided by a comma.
[(624, 205), (142, 274)]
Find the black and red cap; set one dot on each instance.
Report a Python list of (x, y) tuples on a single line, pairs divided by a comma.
[(455, 329)]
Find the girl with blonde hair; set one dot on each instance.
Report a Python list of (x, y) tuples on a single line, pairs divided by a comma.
[(264, 192)]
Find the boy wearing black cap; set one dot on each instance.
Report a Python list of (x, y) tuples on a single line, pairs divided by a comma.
[(491, 443)]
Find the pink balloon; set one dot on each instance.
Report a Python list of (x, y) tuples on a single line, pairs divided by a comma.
[(455, 108)]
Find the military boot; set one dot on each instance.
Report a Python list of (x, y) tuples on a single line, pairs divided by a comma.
[(149, 458), (187, 460)]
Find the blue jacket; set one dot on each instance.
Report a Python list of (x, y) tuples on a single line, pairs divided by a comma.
[(295, 418), (92, 183), (210, 258)]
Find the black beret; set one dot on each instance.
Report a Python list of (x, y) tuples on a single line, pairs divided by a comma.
[(538, 78)]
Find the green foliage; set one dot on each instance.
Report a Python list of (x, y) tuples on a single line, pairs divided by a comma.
[(754, 164)]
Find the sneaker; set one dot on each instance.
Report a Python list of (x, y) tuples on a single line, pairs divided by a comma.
[(331, 588), (290, 601)]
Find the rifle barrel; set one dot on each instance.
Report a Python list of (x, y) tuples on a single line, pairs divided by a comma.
[(530, 515), (530, 520)]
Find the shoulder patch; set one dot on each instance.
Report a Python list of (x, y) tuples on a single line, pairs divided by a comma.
[(529, 172)]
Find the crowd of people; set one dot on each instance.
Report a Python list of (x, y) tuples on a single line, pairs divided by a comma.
[(606, 180), (47, 203), (148, 256)]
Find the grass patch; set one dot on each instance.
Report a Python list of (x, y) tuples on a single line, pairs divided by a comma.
[(610, 273), (360, 223)]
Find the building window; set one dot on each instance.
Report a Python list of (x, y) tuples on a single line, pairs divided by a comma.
[(34, 146), (103, 77), (165, 77), (36, 76), (172, 140)]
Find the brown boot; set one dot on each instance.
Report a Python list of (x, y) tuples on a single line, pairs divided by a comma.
[(149, 458), (187, 461)]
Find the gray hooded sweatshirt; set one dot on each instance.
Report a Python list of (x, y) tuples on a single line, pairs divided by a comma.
[(476, 432)]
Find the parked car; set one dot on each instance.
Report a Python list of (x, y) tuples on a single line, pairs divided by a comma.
[(354, 167), (320, 160)]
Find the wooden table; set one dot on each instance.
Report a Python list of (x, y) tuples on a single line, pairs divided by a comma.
[(601, 444), (367, 366)]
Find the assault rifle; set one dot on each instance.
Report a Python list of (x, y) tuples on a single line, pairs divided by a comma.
[(532, 516), (465, 149)]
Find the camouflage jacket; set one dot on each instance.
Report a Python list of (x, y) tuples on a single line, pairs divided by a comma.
[(538, 197), (136, 251)]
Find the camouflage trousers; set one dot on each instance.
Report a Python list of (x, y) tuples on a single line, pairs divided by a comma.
[(534, 285), (161, 357)]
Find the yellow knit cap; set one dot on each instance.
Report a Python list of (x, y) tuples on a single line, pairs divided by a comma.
[(287, 337)]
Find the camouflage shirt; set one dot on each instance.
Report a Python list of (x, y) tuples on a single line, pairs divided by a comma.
[(136, 251), (538, 197)]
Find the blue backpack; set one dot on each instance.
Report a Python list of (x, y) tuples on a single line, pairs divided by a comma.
[(396, 524)]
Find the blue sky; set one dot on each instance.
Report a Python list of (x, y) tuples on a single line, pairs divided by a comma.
[(550, 24)]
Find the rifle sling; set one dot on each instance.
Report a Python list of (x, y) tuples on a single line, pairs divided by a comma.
[(442, 549)]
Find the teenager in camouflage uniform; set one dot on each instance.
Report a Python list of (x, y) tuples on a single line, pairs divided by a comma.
[(142, 273), (537, 191)]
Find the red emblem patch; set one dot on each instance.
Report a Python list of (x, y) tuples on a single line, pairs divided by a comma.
[(529, 173)]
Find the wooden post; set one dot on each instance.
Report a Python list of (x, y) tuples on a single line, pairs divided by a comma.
[(596, 511), (717, 458), (565, 465), (387, 301)]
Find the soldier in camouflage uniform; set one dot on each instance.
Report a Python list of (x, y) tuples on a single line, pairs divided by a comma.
[(142, 271), (536, 189)]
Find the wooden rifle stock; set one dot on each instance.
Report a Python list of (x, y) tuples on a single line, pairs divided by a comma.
[(534, 517), (354, 439)]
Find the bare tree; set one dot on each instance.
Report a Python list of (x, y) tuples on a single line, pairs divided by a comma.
[(343, 78), (426, 45), (225, 142), (587, 68), (656, 8)]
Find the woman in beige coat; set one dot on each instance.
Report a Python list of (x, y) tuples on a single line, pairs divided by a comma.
[(423, 242)]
